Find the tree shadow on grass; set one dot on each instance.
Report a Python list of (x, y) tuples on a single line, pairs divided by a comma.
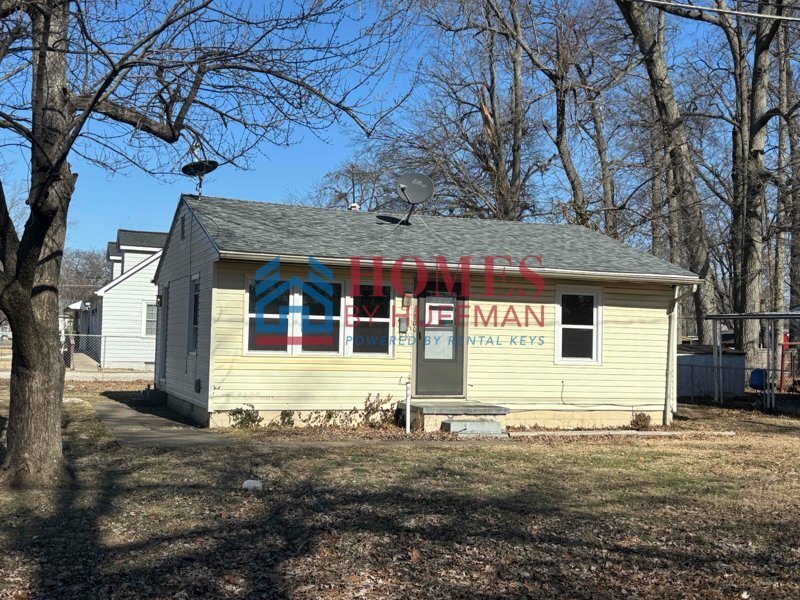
[(137, 526)]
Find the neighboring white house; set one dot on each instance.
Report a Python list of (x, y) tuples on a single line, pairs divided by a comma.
[(119, 326)]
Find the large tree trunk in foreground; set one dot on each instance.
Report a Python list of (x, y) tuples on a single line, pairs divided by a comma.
[(34, 454), (34, 450), (31, 268)]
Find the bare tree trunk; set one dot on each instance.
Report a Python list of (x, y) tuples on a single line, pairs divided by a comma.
[(560, 79), (673, 220), (518, 123), (757, 177), (661, 193), (34, 454), (784, 190), (659, 243), (597, 134), (740, 149), (793, 198), (693, 230), (30, 299)]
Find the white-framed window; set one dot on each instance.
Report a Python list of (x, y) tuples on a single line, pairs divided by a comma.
[(274, 313), (194, 314), (320, 319), (149, 319), (372, 332), (578, 325), (299, 324)]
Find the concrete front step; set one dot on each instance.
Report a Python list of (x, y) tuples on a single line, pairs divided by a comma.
[(428, 414), (474, 427)]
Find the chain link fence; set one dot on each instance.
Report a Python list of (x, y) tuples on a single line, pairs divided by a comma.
[(742, 383), (104, 354), (109, 353)]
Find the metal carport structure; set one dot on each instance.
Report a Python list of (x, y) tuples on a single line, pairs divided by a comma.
[(771, 318)]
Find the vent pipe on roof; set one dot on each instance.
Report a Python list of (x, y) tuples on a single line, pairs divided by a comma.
[(354, 207)]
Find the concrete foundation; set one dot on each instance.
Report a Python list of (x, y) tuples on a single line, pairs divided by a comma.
[(576, 419), (197, 414), (422, 420)]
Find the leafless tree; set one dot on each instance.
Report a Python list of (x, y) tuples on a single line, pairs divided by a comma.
[(141, 83), (750, 43), (473, 124), (82, 273), (682, 165)]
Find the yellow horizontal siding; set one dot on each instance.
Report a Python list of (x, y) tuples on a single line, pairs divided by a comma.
[(632, 373), (279, 382), (634, 356)]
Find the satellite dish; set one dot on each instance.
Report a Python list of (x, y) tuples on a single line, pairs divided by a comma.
[(415, 188), (199, 168)]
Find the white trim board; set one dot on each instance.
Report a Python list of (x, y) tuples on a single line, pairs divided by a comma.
[(114, 282), (555, 273)]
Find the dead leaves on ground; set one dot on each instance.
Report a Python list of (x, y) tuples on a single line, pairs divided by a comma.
[(710, 518)]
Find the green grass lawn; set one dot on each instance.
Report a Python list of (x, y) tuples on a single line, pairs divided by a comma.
[(702, 517)]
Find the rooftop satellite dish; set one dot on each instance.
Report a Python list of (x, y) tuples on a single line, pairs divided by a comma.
[(199, 169), (414, 188)]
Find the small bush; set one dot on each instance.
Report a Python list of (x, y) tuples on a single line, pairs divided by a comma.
[(286, 418), (640, 421), (375, 414), (245, 418), (378, 412)]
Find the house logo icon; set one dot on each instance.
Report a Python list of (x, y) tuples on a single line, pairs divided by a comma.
[(269, 289)]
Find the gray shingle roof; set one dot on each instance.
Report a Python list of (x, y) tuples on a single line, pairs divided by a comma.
[(112, 249), (142, 239), (261, 227)]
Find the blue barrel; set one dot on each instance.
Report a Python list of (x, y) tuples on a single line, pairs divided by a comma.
[(758, 379)]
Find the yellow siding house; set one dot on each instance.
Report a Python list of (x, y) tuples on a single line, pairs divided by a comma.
[(294, 309)]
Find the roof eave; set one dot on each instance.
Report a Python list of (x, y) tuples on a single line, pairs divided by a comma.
[(554, 273), (140, 248)]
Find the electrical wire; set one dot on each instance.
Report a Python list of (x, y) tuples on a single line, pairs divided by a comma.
[(725, 11)]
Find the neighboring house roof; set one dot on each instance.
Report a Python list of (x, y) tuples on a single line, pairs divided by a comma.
[(247, 228), (141, 239), (128, 274), (76, 305), (112, 251)]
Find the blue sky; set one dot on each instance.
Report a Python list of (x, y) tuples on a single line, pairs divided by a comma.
[(103, 203)]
